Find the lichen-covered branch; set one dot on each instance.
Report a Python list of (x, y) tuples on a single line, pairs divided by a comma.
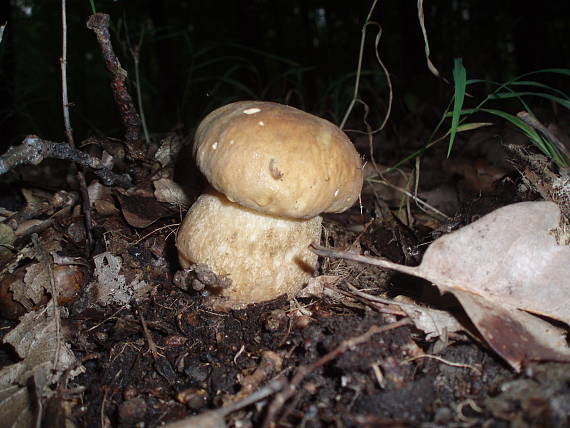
[(34, 150), (99, 24)]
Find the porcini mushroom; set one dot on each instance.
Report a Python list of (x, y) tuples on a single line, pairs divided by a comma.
[(273, 169)]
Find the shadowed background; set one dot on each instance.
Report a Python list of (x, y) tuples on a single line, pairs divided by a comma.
[(197, 55)]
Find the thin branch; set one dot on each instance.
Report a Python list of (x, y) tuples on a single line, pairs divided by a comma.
[(215, 418), (86, 204), (376, 261), (419, 202), (151, 345), (444, 361), (63, 65), (289, 390), (31, 210), (86, 207), (34, 150), (99, 24)]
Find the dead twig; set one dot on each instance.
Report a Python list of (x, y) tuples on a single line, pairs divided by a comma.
[(376, 261), (161, 363), (151, 345), (444, 361), (289, 390), (86, 205), (32, 210), (34, 150), (215, 418), (99, 24), (63, 65)]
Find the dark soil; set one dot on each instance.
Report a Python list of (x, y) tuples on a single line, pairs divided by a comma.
[(173, 353)]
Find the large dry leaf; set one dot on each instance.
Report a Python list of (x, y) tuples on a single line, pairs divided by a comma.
[(515, 335), (510, 254), (45, 357), (42, 349), (17, 407), (505, 261)]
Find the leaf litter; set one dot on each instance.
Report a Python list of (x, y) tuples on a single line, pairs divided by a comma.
[(500, 268)]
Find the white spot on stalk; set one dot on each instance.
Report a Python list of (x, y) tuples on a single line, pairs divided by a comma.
[(215, 145)]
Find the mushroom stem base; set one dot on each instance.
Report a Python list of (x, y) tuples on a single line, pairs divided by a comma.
[(265, 256)]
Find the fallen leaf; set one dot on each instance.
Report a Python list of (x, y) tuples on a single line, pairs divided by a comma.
[(16, 406), (167, 190), (36, 283), (320, 286), (434, 323), (140, 211), (505, 261), (509, 254), (515, 335), (168, 151), (45, 357), (111, 285), (7, 238)]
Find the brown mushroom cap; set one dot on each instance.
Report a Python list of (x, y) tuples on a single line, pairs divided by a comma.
[(278, 160)]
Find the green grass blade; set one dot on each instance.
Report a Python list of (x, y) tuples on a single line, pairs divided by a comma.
[(541, 86), (563, 71), (459, 81), (504, 95), (538, 140)]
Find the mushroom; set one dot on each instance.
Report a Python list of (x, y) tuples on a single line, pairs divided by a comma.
[(272, 169)]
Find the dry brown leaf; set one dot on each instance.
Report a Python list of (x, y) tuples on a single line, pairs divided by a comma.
[(29, 252), (515, 335), (321, 286), (507, 260), (111, 285), (45, 357), (16, 407), (36, 340), (509, 254), (167, 153), (167, 190), (36, 283), (141, 211), (7, 239), (435, 323)]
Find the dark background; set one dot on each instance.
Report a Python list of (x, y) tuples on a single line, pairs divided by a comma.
[(197, 55)]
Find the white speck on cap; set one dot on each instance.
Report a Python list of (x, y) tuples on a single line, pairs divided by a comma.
[(252, 110), (261, 123), (215, 145), (232, 141)]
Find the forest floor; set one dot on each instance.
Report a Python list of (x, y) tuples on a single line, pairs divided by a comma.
[(146, 352)]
